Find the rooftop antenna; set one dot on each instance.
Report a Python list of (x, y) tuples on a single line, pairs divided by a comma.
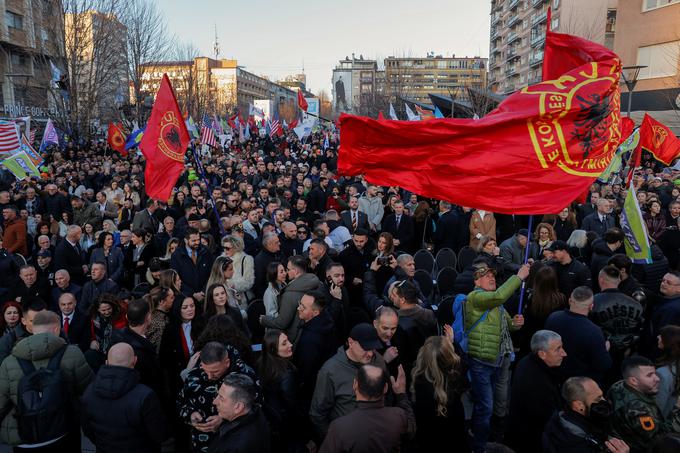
[(303, 66), (216, 44)]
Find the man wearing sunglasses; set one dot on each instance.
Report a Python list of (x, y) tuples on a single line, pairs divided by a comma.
[(489, 346)]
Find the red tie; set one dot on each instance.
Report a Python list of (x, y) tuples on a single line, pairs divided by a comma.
[(65, 326)]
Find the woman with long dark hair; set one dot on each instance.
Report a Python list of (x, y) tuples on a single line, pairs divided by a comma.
[(669, 385), (281, 392), (223, 329), (106, 316), (384, 249), (217, 303), (276, 278), (437, 383), (106, 252)]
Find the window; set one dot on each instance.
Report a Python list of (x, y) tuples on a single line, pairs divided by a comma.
[(661, 60), (44, 35), (18, 59), (653, 4), (14, 20), (554, 25)]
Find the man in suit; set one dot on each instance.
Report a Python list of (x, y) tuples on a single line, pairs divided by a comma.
[(62, 284), (106, 209), (193, 263), (354, 219), (68, 255), (401, 227), (145, 219), (600, 220), (585, 209), (448, 227), (355, 259), (75, 326)]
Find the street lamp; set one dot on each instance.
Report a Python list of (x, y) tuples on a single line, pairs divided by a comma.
[(630, 77)]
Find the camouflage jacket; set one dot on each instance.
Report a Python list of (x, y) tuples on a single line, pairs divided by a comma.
[(637, 420)]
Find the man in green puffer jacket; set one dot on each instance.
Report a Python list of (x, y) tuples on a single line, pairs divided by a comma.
[(39, 348), (489, 346)]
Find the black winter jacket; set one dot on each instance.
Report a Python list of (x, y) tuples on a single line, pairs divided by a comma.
[(249, 433), (120, 414)]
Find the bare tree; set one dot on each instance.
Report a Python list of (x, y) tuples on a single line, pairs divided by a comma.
[(147, 41), (92, 62)]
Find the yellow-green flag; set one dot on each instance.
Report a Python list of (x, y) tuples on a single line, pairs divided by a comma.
[(21, 165), (633, 226)]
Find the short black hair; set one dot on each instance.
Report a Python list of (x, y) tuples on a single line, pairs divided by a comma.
[(621, 261), (360, 232), (408, 291), (243, 389), (319, 242), (613, 235), (190, 231), (632, 363), (371, 386), (299, 261), (319, 299), (137, 311), (32, 304)]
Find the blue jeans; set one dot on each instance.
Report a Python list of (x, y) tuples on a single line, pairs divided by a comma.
[(483, 378)]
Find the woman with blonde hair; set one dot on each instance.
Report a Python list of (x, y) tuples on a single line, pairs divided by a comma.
[(437, 383), (244, 267)]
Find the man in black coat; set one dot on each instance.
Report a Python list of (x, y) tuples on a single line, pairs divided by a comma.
[(55, 203), (535, 393), (318, 196), (401, 227), (119, 413), (75, 326), (271, 251), (571, 273), (354, 219), (29, 286), (446, 234), (69, 256), (139, 317), (603, 250), (600, 220), (315, 342), (356, 259), (100, 284), (193, 263), (246, 428)]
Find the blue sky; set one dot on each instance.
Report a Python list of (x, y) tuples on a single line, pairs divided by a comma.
[(275, 37)]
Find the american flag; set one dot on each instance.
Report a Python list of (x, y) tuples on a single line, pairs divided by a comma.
[(31, 138), (207, 134), (275, 127), (9, 137)]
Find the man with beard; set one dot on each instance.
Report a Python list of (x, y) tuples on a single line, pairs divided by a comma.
[(583, 426)]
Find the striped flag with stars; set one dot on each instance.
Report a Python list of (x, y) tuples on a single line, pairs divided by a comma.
[(207, 133)]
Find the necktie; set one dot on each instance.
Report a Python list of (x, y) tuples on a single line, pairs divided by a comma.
[(398, 221), (193, 256), (65, 326), (354, 220)]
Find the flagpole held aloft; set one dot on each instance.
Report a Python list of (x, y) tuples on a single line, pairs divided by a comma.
[(199, 167), (526, 259)]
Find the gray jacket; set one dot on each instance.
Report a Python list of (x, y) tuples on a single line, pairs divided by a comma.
[(289, 298), (333, 394), (373, 208)]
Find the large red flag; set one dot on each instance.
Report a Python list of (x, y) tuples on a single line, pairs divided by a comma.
[(542, 147), (164, 143), (659, 140), (302, 102), (116, 138)]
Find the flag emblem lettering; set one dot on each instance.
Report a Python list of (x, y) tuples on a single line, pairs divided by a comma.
[(169, 138)]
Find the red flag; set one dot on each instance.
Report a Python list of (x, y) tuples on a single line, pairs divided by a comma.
[(164, 143), (293, 124), (381, 117), (541, 148), (116, 138), (659, 140), (302, 102)]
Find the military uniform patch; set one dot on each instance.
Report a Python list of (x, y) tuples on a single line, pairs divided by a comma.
[(647, 423)]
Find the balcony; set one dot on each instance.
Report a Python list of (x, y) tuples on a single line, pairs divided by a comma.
[(539, 18), (494, 34), (512, 54), (510, 70), (512, 4), (536, 58), (536, 3), (533, 80), (537, 39), (512, 37), (494, 19), (494, 50)]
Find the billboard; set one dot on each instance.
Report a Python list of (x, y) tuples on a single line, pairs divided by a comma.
[(342, 91), (312, 109)]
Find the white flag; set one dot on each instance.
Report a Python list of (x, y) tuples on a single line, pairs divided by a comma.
[(410, 115), (393, 114)]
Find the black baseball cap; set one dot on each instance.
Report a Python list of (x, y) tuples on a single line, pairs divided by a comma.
[(366, 336), (558, 245)]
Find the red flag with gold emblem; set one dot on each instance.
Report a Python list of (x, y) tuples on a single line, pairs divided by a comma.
[(659, 140), (164, 143), (116, 138), (539, 150)]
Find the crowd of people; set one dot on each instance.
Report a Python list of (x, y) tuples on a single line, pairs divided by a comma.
[(272, 306)]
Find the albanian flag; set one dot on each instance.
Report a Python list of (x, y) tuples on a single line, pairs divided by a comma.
[(164, 143), (659, 140), (302, 102), (539, 150), (116, 138)]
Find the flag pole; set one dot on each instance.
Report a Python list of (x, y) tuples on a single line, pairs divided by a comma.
[(526, 259), (199, 167)]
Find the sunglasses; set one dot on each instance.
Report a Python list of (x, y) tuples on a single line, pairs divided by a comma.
[(482, 272)]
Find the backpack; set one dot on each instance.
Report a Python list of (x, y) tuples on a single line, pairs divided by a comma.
[(43, 401), (459, 332)]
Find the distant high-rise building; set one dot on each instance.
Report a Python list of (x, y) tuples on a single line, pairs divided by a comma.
[(518, 35)]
